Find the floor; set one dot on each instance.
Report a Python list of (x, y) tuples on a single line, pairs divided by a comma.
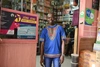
[(67, 62)]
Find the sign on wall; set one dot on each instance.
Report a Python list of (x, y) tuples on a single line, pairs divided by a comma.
[(89, 19), (28, 32), (24, 24)]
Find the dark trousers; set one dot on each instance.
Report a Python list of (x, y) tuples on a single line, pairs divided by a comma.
[(70, 47)]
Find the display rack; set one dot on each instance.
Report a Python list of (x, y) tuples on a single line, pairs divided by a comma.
[(58, 14), (20, 5), (43, 7)]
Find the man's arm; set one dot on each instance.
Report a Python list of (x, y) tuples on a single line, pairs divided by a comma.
[(63, 45), (42, 50), (42, 54), (62, 53)]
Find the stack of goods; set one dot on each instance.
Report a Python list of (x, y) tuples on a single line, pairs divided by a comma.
[(66, 16), (89, 59), (97, 58), (96, 47), (47, 3)]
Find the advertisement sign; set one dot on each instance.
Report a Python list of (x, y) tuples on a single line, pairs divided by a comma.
[(82, 14), (24, 23), (89, 19), (28, 32)]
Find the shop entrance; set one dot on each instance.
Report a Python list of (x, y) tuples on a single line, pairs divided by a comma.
[(23, 20), (63, 12), (20, 29)]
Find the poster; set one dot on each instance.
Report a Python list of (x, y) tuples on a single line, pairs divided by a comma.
[(82, 14), (26, 32), (89, 19), (12, 21)]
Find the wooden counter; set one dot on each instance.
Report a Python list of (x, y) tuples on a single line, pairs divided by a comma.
[(17, 53)]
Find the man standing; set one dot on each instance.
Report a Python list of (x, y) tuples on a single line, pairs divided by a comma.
[(52, 44)]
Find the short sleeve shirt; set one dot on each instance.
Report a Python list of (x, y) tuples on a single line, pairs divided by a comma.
[(52, 41)]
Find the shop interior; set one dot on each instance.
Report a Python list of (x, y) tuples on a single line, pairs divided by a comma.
[(62, 13), (68, 14)]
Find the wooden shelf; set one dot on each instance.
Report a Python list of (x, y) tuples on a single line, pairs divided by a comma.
[(43, 5), (41, 12), (43, 19), (60, 21), (40, 4), (58, 8), (58, 15), (47, 6)]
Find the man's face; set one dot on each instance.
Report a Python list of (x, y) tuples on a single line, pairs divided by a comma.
[(50, 19)]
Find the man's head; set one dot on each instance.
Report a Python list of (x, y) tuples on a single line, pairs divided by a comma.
[(50, 19), (75, 2)]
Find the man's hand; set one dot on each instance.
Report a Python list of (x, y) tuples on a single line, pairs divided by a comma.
[(61, 59), (42, 62), (0, 39)]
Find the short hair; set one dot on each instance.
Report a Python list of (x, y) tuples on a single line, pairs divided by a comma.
[(76, 1)]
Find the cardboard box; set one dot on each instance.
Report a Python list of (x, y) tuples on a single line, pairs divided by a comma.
[(85, 63), (87, 59), (88, 55), (98, 56), (96, 46), (97, 64), (92, 57), (84, 54)]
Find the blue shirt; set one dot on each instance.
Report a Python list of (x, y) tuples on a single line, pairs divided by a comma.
[(52, 41)]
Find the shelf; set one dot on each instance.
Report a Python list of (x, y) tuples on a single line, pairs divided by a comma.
[(41, 12), (40, 4), (58, 8), (58, 15), (43, 19), (28, 1), (60, 21), (47, 6), (43, 5)]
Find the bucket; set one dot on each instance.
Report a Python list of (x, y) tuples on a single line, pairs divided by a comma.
[(74, 64), (75, 58)]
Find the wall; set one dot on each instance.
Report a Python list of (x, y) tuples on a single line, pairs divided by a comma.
[(87, 34), (90, 31), (15, 53)]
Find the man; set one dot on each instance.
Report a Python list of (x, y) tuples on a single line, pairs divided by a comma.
[(52, 44)]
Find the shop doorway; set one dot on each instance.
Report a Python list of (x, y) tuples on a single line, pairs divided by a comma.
[(63, 15)]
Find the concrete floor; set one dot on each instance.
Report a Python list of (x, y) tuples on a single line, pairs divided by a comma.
[(67, 62)]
